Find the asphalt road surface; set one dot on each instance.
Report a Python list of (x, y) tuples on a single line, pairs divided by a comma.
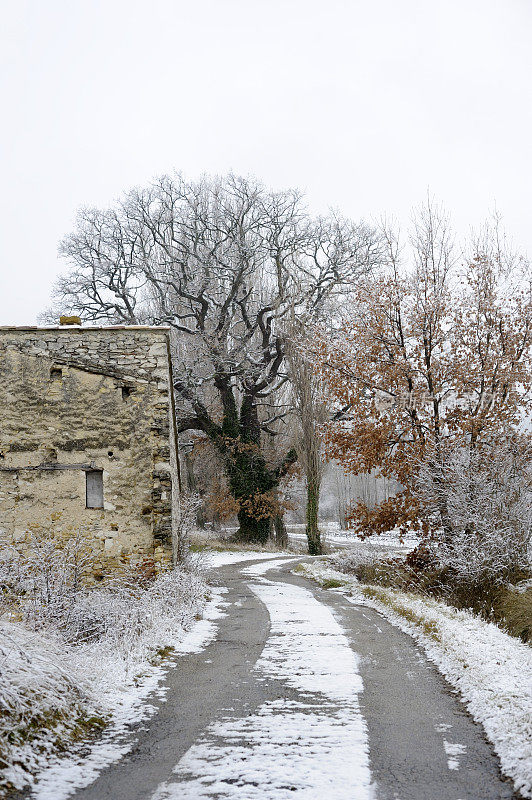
[(303, 694)]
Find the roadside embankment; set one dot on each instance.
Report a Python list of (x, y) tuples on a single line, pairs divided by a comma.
[(491, 670)]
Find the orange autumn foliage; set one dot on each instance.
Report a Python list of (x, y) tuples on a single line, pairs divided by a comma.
[(434, 356), (220, 503)]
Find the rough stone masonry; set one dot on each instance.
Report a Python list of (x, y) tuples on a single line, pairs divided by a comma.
[(88, 440)]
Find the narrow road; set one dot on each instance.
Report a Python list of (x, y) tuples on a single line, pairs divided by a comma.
[(303, 694)]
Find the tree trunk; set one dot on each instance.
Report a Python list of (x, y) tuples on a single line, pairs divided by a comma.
[(251, 529), (192, 486), (281, 534), (252, 484), (250, 480), (312, 529), (441, 498)]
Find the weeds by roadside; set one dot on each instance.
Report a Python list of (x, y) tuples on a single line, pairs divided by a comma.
[(490, 669), (508, 605), (223, 540), (67, 650)]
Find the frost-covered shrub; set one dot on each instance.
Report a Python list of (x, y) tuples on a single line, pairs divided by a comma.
[(369, 552), (190, 503), (121, 614), (47, 575), (45, 697), (361, 554), (13, 583), (481, 504), (66, 650), (179, 592), (374, 565), (45, 587)]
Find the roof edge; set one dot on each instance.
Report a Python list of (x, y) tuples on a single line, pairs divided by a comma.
[(86, 328)]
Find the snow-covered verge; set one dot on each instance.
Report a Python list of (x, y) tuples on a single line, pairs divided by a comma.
[(491, 670), (43, 699), (57, 689)]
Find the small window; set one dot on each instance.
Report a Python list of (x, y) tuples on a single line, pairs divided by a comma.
[(126, 392), (56, 374), (94, 486)]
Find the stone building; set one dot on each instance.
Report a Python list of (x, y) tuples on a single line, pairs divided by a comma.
[(88, 439)]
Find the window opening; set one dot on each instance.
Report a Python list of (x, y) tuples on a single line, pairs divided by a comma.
[(56, 374), (94, 488)]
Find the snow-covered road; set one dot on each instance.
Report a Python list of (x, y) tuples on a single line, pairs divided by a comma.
[(313, 746), (303, 694)]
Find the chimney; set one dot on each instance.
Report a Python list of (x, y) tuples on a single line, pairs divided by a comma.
[(69, 321)]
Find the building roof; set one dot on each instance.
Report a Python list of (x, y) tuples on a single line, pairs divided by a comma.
[(81, 328)]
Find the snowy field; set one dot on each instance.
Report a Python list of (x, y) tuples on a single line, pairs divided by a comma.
[(333, 536), (491, 670)]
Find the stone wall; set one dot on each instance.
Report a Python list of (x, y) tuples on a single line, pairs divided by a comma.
[(79, 399)]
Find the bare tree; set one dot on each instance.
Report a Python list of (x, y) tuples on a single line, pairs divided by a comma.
[(311, 413), (224, 262)]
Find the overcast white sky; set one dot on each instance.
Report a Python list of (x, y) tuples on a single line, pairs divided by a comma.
[(363, 104)]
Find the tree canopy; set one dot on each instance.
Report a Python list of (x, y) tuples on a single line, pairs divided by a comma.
[(224, 262), (436, 355)]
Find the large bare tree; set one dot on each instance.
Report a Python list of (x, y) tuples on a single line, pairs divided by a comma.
[(224, 262)]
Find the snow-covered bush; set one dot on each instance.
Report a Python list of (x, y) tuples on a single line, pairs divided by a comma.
[(48, 574), (12, 579), (484, 497), (375, 563), (361, 554), (68, 650), (45, 698)]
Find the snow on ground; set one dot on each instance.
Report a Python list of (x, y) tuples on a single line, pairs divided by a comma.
[(213, 559), (332, 534), (491, 670), (256, 570), (453, 753), (204, 631), (36, 684), (128, 700), (114, 679), (316, 744)]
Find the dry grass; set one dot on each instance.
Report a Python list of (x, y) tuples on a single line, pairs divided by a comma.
[(221, 541), (332, 583), (428, 627), (510, 607), (515, 610)]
